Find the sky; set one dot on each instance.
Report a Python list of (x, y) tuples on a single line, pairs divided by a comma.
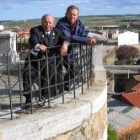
[(30, 9)]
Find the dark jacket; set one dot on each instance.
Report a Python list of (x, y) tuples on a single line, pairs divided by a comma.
[(38, 62), (38, 36), (76, 34)]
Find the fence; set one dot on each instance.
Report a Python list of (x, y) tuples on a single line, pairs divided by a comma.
[(42, 79)]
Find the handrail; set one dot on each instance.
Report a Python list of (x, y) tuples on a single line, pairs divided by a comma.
[(13, 84)]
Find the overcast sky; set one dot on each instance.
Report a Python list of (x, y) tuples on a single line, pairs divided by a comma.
[(30, 9)]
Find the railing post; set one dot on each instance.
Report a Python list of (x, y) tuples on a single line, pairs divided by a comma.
[(30, 81), (47, 76), (9, 86), (91, 68), (98, 68), (20, 85), (81, 57)]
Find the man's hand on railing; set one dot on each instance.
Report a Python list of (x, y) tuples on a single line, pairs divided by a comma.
[(42, 47), (64, 49), (91, 41)]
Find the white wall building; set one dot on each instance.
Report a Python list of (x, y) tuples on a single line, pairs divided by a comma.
[(128, 38), (8, 46), (1, 27)]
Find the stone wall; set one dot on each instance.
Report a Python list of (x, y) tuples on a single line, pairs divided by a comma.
[(93, 128)]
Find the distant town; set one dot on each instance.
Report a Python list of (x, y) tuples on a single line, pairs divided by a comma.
[(107, 26)]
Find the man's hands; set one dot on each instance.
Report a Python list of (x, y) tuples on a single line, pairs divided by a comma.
[(91, 41), (42, 47), (64, 49)]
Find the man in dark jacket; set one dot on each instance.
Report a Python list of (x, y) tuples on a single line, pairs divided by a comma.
[(42, 40), (75, 32), (73, 28)]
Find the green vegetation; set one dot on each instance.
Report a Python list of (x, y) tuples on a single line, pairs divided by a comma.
[(89, 21), (126, 55), (92, 21), (112, 134), (22, 23)]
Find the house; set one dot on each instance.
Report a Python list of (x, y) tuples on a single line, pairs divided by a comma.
[(132, 91), (1, 27), (128, 38), (23, 34)]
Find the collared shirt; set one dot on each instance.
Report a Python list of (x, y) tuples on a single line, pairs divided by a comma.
[(48, 33)]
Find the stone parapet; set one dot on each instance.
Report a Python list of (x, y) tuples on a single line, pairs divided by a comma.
[(82, 118), (97, 62)]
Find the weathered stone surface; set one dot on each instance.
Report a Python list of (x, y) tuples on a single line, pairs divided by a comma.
[(64, 136), (80, 119), (78, 136), (91, 129)]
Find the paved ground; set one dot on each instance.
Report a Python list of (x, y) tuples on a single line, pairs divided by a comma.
[(121, 114), (17, 99)]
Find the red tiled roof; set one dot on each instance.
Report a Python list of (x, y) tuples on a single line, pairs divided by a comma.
[(133, 98), (136, 87)]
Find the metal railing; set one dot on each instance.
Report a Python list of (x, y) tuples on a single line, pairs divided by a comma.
[(42, 79)]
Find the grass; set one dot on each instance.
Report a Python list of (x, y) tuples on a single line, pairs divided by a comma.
[(112, 134), (90, 21)]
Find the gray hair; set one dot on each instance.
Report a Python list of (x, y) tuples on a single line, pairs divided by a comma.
[(47, 15)]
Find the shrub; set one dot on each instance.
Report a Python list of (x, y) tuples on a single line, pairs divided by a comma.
[(127, 54)]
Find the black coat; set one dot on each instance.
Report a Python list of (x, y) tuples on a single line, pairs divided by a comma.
[(53, 43), (38, 36)]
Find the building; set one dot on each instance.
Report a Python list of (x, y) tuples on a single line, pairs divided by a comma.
[(108, 27), (128, 38), (1, 27), (23, 34)]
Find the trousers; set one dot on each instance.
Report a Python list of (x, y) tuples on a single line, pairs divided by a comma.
[(46, 73)]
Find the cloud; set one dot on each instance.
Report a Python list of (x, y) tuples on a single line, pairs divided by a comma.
[(36, 8), (7, 4)]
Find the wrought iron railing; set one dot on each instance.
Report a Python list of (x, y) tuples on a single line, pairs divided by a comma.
[(44, 79)]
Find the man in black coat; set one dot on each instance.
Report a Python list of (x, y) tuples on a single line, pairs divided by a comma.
[(42, 40)]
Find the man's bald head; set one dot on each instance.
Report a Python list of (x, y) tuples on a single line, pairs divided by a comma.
[(47, 22)]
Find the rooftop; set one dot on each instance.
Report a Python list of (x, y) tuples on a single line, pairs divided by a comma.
[(121, 114)]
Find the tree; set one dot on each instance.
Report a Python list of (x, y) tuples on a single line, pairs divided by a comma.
[(127, 54)]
